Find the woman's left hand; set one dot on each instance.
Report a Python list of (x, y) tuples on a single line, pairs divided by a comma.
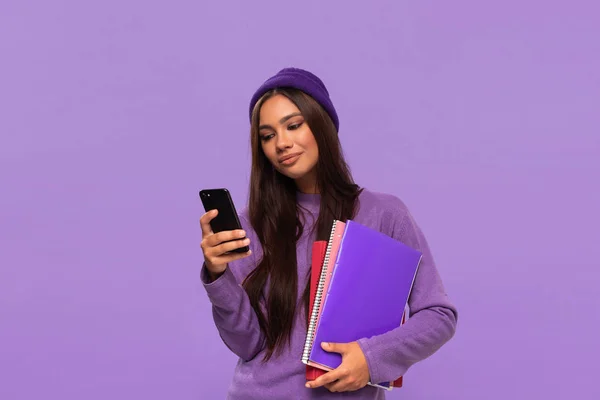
[(352, 374)]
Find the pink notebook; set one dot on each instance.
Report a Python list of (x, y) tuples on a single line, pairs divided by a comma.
[(329, 263), (325, 276)]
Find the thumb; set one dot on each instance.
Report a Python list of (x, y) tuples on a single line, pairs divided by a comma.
[(334, 347)]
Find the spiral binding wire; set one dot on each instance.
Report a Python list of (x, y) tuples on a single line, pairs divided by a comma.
[(310, 335)]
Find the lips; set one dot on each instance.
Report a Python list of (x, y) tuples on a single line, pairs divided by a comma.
[(288, 159)]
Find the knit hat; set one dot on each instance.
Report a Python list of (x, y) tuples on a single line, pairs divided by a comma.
[(299, 79)]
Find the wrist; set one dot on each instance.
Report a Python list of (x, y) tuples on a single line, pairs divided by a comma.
[(210, 275), (213, 276)]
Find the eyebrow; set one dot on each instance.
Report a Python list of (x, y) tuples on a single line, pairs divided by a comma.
[(282, 120)]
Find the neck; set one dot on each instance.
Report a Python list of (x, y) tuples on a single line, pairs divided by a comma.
[(308, 183)]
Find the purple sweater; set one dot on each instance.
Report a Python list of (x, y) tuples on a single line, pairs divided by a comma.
[(432, 319)]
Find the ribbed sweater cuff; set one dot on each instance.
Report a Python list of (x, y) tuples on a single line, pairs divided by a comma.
[(374, 373)]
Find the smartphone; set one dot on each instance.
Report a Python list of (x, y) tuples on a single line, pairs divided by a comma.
[(227, 218)]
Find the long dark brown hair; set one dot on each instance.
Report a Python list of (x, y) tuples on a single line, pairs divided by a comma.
[(274, 215)]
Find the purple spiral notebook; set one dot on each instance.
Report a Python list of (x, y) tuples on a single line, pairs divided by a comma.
[(372, 279)]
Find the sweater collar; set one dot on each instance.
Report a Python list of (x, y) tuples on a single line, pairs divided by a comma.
[(310, 201)]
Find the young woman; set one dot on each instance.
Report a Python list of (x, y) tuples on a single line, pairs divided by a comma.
[(299, 184)]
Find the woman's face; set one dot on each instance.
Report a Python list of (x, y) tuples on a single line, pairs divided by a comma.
[(288, 142)]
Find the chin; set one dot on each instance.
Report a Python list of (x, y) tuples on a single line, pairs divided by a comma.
[(294, 172), (292, 175)]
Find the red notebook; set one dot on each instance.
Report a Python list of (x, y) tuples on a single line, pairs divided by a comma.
[(318, 255)]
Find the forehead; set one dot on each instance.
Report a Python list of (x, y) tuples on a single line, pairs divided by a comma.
[(275, 108)]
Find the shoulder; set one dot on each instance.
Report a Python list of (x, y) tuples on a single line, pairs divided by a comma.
[(387, 213), (384, 204)]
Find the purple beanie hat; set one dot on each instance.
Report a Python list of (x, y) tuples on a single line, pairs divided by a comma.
[(299, 79)]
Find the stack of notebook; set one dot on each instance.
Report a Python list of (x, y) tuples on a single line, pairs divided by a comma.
[(360, 284)]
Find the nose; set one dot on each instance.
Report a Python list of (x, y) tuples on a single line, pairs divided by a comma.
[(284, 141)]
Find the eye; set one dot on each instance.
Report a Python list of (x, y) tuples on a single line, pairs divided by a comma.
[(295, 126), (264, 138)]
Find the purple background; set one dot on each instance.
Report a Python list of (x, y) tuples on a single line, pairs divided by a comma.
[(483, 117)]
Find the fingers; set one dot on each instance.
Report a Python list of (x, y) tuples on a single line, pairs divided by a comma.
[(344, 385), (328, 378), (340, 348), (229, 246), (225, 236), (214, 239), (338, 373), (222, 242), (217, 255), (351, 375), (205, 222)]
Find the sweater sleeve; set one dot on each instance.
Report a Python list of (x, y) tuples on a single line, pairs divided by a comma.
[(432, 319), (234, 317)]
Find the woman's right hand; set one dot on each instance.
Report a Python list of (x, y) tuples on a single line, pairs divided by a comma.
[(214, 247)]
